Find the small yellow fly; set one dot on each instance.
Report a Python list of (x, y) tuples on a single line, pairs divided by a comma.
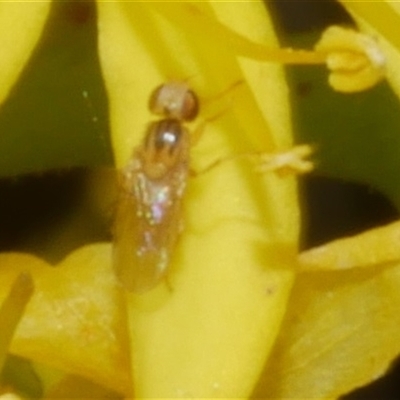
[(148, 221), (152, 185)]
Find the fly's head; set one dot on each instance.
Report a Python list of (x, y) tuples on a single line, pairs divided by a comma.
[(174, 100)]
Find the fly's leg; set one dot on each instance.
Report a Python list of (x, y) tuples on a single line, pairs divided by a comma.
[(221, 161), (198, 131), (283, 163), (224, 92)]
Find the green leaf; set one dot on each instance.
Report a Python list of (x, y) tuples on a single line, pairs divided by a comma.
[(340, 332), (56, 115)]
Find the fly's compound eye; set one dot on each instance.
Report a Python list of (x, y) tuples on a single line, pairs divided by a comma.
[(174, 100), (165, 144)]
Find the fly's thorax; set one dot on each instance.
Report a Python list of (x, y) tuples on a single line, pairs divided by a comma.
[(166, 146), (174, 100)]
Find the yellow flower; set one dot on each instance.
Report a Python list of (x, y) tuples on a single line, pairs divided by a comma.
[(221, 321), (210, 335), (233, 267)]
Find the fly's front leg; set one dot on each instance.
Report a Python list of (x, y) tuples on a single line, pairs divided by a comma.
[(228, 90), (198, 131)]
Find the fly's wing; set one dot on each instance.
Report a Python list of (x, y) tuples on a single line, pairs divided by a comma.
[(146, 230)]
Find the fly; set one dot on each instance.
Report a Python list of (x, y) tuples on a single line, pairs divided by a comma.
[(152, 185)]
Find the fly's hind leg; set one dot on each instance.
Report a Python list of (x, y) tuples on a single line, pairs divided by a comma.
[(283, 163)]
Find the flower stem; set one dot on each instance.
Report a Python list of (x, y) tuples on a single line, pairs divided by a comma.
[(12, 310)]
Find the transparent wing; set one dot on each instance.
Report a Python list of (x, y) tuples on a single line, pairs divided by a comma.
[(142, 248)]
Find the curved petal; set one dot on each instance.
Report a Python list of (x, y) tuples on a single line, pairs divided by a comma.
[(75, 320), (21, 25), (381, 20), (210, 333)]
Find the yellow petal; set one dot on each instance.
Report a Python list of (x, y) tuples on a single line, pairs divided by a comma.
[(210, 333), (75, 319), (340, 333), (12, 310), (10, 396), (381, 20), (74, 387), (373, 247), (21, 25)]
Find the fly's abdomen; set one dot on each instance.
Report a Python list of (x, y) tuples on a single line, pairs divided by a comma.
[(146, 230)]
